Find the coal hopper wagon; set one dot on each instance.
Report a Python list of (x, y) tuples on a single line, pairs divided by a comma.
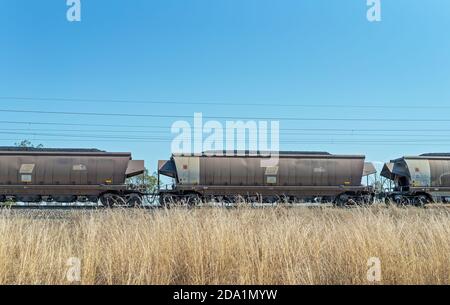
[(419, 180), (68, 175), (242, 176)]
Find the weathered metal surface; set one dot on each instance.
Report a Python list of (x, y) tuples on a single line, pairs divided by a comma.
[(294, 171), (387, 171), (298, 191), (50, 190), (167, 168), (295, 174), (188, 170), (134, 168), (419, 172), (236, 177), (418, 176), (440, 172), (369, 169), (430, 170), (58, 171)]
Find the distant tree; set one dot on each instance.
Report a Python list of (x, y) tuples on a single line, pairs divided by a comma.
[(145, 182), (27, 143)]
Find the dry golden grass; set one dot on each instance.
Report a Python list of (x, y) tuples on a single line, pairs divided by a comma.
[(217, 246)]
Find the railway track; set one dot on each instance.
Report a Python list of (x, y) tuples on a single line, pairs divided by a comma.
[(67, 207), (51, 207), (212, 205)]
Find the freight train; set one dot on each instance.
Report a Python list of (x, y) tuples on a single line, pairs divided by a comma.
[(419, 180), (232, 177), (68, 175), (92, 175)]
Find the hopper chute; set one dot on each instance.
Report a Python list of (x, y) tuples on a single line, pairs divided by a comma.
[(369, 169), (167, 168), (387, 171), (135, 167)]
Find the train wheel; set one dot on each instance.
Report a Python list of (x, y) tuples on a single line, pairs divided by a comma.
[(351, 201), (193, 200), (273, 200), (182, 201), (341, 201), (107, 200), (368, 200), (422, 200), (112, 200), (167, 201), (387, 201), (133, 200), (402, 201)]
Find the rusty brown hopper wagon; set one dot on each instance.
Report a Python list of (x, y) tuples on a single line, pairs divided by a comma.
[(231, 176), (67, 175)]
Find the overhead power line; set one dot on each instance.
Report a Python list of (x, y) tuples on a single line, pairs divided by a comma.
[(410, 143), (169, 139), (130, 133), (168, 127), (215, 103), (105, 114)]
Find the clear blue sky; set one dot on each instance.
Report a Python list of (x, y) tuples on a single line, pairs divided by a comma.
[(295, 52)]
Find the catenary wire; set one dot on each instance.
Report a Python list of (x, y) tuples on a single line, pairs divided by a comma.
[(213, 103)]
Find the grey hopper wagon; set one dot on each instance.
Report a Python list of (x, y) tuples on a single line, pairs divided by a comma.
[(67, 175), (419, 179), (297, 176)]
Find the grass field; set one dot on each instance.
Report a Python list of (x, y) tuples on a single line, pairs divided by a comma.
[(220, 246)]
